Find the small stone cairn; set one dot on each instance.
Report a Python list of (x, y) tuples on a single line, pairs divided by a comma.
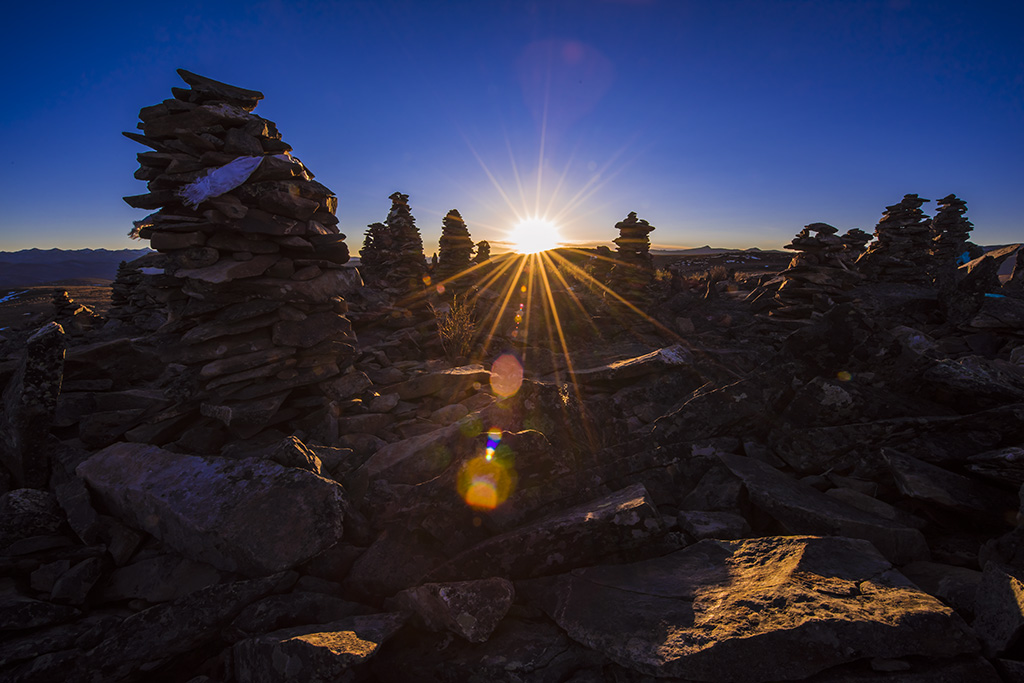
[(392, 255), (817, 275), (455, 249), (76, 319), (903, 243), (255, 257), (483, 252), (950, 231), (634, 269)]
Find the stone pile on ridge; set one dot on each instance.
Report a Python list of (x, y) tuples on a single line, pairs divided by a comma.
[(252, 244), (634, 267), (950, 230), (817, 276), (392, 254), (455, 249), (901, 251), (75, 318)]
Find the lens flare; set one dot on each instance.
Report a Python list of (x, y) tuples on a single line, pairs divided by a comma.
[(485, 483), (506, 375)]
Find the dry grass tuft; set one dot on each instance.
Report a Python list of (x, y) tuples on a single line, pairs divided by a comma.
[(456, 327)]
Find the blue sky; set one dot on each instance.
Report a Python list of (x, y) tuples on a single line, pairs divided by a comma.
[(720, 122)]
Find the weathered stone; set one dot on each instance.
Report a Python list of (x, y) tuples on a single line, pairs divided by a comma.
[(804, 510), (622, 372), (348, 385), (249, 516), (28, 512), (295, 609), (449, 385), (74, 585), (766, 609), (956, 586), (227, 270), (999, 609), (18, 613), (159, 579), (470, 609), (313, 330), (28, 403), (926, 482), (619, 522), (722, 525), (319, 654), (175, 628)]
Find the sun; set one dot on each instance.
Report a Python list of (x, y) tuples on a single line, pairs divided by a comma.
[(534, 235)]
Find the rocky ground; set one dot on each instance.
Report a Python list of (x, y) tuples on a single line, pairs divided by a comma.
[(697, 491)]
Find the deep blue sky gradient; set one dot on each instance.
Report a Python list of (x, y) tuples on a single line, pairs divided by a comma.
[(721, 122)]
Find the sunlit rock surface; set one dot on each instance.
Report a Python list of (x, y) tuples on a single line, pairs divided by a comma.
[(773, 608)]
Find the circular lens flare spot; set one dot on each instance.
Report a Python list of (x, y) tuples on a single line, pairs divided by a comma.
[(484, 483), (844, 376), (506, 375), (534, 235)]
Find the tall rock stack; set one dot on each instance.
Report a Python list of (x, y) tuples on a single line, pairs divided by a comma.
[(902, 248), (373, 255), (634, 269), (950, 230), (455, 249), (255, 258), (816, 277), (406, 265)]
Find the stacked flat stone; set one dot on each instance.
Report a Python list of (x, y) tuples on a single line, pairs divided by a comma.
[(455, 249), (405, 264), (634, 267), (855, 243), (376, 245), (901, 251), (254, 271), (483, 252), (950, 231), (817, 276)]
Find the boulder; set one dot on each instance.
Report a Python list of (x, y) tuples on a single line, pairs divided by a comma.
[(999, 609), (322, 653), (449, 385), (28, 512), (159, 579), (250, 516), (932, 484), (802, 509), (469, 609), (765, 609)]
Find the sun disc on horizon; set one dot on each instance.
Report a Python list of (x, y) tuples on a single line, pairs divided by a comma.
[(534, 235)]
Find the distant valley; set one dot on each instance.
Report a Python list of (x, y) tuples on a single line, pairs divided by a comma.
[(41, 266)]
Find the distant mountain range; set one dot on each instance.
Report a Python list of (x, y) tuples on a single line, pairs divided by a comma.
[(40, 266)]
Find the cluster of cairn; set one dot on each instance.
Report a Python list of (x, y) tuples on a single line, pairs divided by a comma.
[(634, 268), (455, 250), (392, 254), (254, 270), (901, 251), (819, 273)]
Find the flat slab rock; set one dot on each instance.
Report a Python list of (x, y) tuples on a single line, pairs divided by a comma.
[(250, 516), (765, 609)]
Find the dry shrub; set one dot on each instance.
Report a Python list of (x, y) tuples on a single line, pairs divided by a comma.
[(456, 327), (718, 274)]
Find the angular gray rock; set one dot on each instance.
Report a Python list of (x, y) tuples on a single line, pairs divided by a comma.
[(765, 609), (619, 522), (932, 484), (250, 516), (999, 609), (470, 609), (804, 510)]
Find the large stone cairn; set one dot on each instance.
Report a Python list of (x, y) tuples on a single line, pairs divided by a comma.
[(901, 251), (634, 269), (392, 255), (255, 262), (455, 249), (950, 230), (817, 275)]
